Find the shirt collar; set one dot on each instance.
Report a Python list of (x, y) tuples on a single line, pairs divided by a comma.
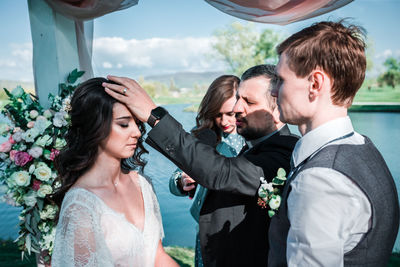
[(320, 136), (252, 143)]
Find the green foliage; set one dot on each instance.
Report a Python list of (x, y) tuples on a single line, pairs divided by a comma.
[(183, 256), (391, 76), (242, 46), (153, 88)]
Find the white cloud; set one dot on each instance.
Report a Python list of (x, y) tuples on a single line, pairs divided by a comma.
[(16, 62), (107, 65), (152, 56)]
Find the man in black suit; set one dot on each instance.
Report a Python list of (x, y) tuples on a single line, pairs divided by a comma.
[(238, 234)]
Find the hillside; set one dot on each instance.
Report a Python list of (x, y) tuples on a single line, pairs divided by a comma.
[(185, 79)]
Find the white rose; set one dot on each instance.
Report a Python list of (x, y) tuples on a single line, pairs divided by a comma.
[(17, 137), (47, 114), (42, 173), (30, 199), (41, 124), (35, 151), (275, 202), (43, 141), (33, 114), (21, 178), (59, 119), (60, 143), (30, 135), (44, 190)]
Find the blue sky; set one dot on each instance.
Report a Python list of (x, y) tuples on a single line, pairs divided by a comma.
[(159, 36)]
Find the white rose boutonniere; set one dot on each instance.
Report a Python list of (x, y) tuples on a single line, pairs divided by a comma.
[(269, 193)]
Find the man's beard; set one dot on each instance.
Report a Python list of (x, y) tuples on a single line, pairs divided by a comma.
[(248, 132)]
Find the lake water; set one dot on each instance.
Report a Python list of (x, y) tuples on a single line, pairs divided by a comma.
[(179, 227)]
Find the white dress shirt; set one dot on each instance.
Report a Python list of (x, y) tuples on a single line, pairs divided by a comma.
[(328, 212)]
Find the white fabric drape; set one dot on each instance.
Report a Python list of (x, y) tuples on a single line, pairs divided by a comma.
[(82, 12), (280, 12), (88, 9)]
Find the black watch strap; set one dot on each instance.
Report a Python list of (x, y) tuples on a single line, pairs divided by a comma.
[(156, 114)]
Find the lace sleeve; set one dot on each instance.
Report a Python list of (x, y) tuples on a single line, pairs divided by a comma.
[(79, 241), (156, 206)]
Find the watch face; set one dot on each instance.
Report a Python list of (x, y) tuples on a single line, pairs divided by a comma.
[(158, 112)]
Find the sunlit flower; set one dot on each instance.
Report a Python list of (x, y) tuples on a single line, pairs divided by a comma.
[(30, 135), (43, 173), (33, 114), (59, 119), (44, 190), (21, 178)]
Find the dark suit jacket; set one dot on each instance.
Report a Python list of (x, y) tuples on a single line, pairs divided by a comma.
[(233, 228)]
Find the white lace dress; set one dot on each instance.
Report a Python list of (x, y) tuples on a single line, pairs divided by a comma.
[(90, 233)]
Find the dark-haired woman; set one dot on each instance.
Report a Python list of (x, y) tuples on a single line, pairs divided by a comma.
[(215, 113), (109, 215)]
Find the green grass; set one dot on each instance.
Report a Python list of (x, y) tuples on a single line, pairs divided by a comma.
[(10, 256), (183, 256), (378, 94)]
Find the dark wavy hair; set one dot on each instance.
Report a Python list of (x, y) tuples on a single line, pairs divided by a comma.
[(220, 90), (91, 117)]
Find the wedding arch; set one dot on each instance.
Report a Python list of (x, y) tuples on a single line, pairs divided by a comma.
[(62, 30)]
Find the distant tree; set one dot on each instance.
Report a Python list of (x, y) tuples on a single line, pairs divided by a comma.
[(153, 88), (369, 53), (391, 76), (242, 46)]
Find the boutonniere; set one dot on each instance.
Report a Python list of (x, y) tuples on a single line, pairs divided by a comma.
[(269, 193)]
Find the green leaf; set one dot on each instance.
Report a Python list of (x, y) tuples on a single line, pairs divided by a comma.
[(271, 213), (277, 181), (40, 202), (28, 243)]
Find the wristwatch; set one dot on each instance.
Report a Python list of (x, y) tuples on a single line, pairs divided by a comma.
[(156, 114)]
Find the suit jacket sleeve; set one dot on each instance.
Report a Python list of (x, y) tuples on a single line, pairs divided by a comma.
[(202, 162)]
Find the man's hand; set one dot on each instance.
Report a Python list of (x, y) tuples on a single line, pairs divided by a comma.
[(187, 182), (130, 93)]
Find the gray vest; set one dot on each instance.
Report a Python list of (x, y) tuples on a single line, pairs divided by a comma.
[(364, 165)]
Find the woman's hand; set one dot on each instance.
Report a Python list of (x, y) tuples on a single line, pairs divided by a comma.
[(130, 93), (187, 182)]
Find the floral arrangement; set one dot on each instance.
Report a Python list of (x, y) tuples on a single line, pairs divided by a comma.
[(34, 136), (269, 193)]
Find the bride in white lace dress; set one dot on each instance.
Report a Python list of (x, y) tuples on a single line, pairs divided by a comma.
[(109, 215)]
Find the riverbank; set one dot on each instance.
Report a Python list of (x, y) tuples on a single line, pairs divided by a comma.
[(10, 256)]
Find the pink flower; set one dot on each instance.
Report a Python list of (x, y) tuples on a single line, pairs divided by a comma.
[(30, 124), (6, 146), (54, 153), (11, 140), (36, 185), (22, 158), (12, 154)]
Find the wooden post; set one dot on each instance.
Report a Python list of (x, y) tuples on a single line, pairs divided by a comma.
[(55, 48)]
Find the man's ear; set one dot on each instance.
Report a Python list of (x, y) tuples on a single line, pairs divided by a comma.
[(317, 79), (276, 115)]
